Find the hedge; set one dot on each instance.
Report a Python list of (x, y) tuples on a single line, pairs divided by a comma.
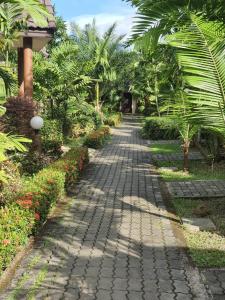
[(160, 128), (16, 226), (72, 164), (18, 221), (97, 138)]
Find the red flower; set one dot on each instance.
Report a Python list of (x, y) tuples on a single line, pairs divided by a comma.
[(25, 203), (6, 242), (37, 216)]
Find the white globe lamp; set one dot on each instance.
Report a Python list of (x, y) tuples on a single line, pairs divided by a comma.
[(37, 123)]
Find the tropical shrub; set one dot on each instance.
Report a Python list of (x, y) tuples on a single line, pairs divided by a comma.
[(72, 164), (41, 192), (159, 128), (32, 162), (83, 117), (97, 138), (15, 228), (113, 119), (79, 130), (52, 137)]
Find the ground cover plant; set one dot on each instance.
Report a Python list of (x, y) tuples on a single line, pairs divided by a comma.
[(166, 148), (198, 170)]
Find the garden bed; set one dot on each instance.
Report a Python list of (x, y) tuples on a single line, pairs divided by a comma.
[(206, 248), (199, 170), (25, 214)]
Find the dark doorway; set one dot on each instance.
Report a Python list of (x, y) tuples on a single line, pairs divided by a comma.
[(126, 106)]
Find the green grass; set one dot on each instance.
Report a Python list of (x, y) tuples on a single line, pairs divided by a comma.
[(207, 249), (199, 170), (166, 148)]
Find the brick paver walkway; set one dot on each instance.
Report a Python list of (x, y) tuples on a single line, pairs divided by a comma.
[(197, 189), (115, 241)]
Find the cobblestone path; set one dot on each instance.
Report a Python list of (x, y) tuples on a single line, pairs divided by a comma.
[(115, 241)]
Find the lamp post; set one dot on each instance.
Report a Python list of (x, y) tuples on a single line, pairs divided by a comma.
[(37, 123)]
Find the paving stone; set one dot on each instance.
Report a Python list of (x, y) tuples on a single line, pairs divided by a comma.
[(167, 296), (105, 283), (119, 295), (181, 287), (116, 241), (151, 296), (184, 297), (103, 295), (136, 296), (71, 294)]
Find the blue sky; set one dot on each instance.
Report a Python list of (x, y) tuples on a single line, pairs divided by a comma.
[(105, 12)]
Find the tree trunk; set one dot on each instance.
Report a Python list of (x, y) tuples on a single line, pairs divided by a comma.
[(186, 147), (157, 105)]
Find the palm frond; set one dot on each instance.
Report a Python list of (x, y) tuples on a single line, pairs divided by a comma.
[(201, 50)]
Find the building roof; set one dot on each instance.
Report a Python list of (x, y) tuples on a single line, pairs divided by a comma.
[(51, 23)]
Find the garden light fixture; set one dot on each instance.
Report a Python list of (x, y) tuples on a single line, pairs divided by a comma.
[(37, 123)]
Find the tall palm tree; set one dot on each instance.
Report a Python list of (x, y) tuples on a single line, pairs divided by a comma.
[(99, 50)]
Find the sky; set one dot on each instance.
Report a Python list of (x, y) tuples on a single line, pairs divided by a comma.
[(106, 12)]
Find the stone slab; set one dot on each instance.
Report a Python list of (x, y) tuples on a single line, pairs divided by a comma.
[(197, 189), (173, 169), (198, 224)]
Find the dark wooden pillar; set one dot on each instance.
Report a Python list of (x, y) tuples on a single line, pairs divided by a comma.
[(28, 67), (21, 72)]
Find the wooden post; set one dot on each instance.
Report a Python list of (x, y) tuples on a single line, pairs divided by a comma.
[(28, 67), (21, 72)]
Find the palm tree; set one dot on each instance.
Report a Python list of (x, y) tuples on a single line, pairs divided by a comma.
[(100, 51), (59, 79)]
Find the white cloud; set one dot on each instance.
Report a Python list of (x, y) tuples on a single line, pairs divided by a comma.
[(104, 20)]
